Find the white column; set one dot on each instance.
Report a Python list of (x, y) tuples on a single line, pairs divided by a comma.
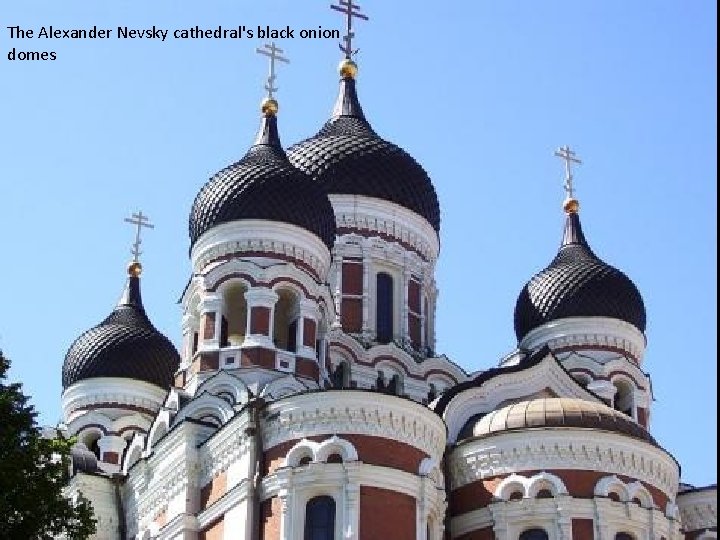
[(352, 511), (260, 297), (337, 323), (211, 303), (366, 293), (404, 327), (188, 329), (423, 343)]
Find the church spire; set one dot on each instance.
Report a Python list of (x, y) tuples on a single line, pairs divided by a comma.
[(268, 133)]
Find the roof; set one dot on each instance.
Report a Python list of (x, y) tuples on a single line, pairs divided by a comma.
[(577, 283), (124, 345), (263, 185), (559, 413), (348, 157)]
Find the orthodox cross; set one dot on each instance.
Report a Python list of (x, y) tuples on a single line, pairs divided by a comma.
[(350, 11), (274, 54), (140, 220), (569, 157)]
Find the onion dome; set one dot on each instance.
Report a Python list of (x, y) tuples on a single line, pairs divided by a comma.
[(124, 345), (348, 157), (263, 185), (559, 413), (577, 283)]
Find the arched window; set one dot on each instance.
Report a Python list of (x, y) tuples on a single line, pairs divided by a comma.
[(234, 322), (534, 534), (384, 308), (285, 320), (90, 440), (624, 399), (624, 536), (320, 518)]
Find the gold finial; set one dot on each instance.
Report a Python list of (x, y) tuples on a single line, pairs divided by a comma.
[(571, 206), (269, 106), (348, 69), (134, 269)]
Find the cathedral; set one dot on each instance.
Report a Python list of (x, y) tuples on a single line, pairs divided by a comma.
[(308, 402)]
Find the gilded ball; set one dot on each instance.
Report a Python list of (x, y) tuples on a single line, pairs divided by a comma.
[(269, 107), (571, 206), (134, 269), (348, 69)]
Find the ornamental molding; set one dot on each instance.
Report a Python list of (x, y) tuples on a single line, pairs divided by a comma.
[(382, 252), (509, 387), (698, 509), (563, 449), (591, 332), (255, 235), (106, 392), (387, 218), (353, 412), (509, 519)]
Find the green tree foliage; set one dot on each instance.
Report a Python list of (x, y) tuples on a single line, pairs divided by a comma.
[(33, 472)]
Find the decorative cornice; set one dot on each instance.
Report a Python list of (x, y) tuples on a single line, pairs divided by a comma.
[(353, 412), (563, 448), (698, 509)]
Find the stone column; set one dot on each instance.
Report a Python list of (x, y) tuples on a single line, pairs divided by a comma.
[(405, 310), (337, 297), (189, 324), (366, 293), (260, 317)]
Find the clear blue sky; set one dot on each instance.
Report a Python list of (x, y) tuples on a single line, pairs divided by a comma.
[(479, 92)]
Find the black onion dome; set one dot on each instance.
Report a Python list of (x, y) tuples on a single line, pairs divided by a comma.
[(577, 284), (348, 157), (263, 185), (125, 345)]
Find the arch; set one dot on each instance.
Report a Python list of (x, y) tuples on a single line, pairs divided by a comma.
[(335, 445), (282, 387), (225, 384), (234, 312), (285, 318), (624, 536), (320, 518), (206, 407), (134, 452), (536, 533), (545, 481), (511, 485), (637, 491), (384, 308), (624, 400), (160, 428), (300, 451), (609, 485)]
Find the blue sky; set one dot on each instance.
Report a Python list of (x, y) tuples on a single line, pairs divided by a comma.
[(481, 93)]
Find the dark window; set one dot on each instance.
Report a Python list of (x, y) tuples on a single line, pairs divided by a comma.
[(335, 458), (224, 332), (320, 518), (195, 343), (544, 494), (534, 534), (384, 311), (292, 336), (624, 536)]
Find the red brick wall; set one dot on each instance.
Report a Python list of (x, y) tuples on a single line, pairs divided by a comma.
[(352, 278), (351, 311), (386, 514), (414, 296), (414, 329), (258, 357), (480, 534), (260, 320), (583, 529), (309, 333), (642, 417), (209, 326), (212, 491), (111, 457), (270, 512), (214, 531), (307, 368)]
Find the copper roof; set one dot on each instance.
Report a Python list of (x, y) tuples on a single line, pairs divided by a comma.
[(559, 413)]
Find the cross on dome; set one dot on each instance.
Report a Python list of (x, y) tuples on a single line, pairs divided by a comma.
[(274, 54), (140, 220), (351, 11), (569, 157)]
